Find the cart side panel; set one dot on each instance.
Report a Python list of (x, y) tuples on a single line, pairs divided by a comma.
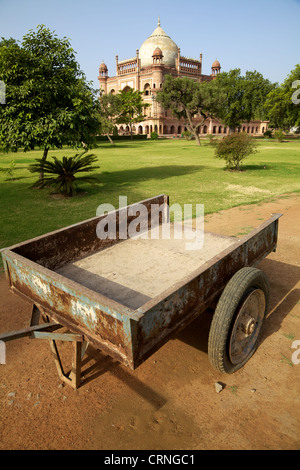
[(258, 246), (106, 327), (184, 303), (61, 247)]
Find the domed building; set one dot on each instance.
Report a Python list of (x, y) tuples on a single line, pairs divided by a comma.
[(158, 56), (158, 40)]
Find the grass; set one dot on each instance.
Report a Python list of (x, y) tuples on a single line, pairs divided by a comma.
[(289, 335), (286, 360), (234, 389), (141, 169)]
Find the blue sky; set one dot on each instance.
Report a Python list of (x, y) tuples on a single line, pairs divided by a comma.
[(262, 35)]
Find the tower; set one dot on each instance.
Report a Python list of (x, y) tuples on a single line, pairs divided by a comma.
[(103, 76), (215, 68)]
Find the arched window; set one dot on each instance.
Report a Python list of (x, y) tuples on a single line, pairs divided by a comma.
[(147, 89)]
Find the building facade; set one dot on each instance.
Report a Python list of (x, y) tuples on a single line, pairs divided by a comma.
[(160, 56)]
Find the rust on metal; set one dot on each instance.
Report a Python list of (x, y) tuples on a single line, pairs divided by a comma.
[(127, 335), (178, 306)]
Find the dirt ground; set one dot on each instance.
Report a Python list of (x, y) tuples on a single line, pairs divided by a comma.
[(170, 401)]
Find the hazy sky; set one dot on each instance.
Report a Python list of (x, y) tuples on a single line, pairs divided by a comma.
[(262, 35)]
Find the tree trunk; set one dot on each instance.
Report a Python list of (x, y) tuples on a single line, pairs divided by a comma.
[(45, 154), (197, 138), (193, 129), (109, 138)]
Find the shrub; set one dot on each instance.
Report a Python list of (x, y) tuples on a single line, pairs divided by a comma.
[(154, 135), (103, 138), (62, 172), (212, 139), (268, 134), (234, 148), (187, 135), (279, 135)]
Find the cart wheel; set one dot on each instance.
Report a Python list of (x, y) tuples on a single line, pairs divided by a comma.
[(237, 322)]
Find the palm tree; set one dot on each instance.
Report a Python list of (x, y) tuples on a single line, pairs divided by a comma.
[(62, 172)]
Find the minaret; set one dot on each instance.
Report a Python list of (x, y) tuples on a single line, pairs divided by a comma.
[(178, 61), (138, 69), (103, 76), (117, 63), (215, 68)]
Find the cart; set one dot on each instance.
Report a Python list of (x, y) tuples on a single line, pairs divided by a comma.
[(127, 297)]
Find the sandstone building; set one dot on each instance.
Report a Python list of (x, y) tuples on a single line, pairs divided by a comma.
[(157, 57)]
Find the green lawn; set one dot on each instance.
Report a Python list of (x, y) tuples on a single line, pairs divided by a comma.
[(141, 169)]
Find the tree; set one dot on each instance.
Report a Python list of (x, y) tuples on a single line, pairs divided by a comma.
[(61, 173), (48, 100), (283, 105), (131, 108), (234, 148), (241, 97), (187, 98), (256, 90), (108, 112)]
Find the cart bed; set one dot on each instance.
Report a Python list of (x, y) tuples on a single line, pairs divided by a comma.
[(128, 297), (137, 270)]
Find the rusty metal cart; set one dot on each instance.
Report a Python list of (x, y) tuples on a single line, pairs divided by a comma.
[(128, 297)]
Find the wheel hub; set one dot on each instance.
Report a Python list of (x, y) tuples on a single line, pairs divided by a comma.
[(247, 326)]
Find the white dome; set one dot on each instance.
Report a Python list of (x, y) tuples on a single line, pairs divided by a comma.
[(158, 39)]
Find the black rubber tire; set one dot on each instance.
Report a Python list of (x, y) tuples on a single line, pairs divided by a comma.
[(238, 288)]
